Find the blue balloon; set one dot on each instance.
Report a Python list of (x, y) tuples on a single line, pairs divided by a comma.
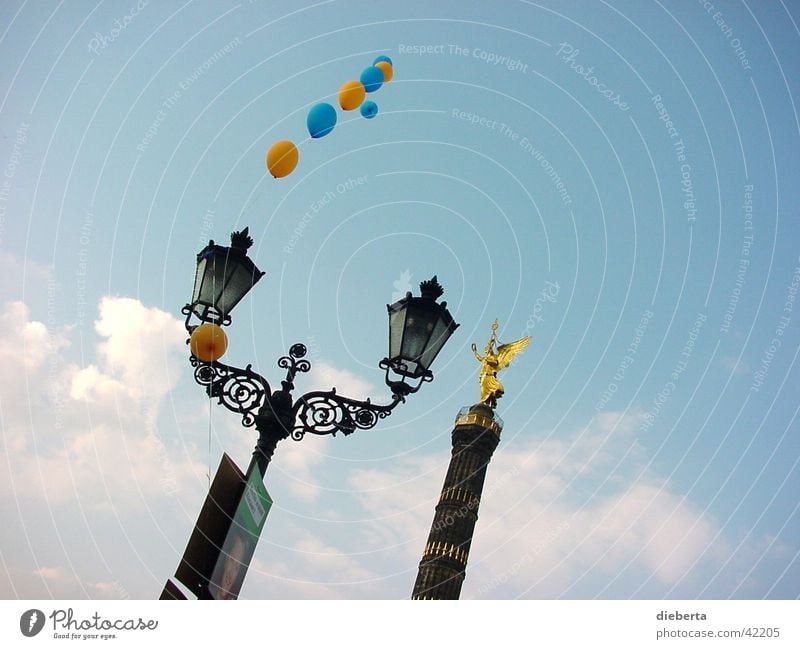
[(382, 58), (321, 120), (369, 109), (372, 78)]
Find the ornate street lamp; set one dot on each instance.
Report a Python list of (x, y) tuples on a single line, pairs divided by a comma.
[(418, 329), (224, 276)]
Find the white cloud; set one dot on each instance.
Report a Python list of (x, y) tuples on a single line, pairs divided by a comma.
[(143, 347), (399, 503), (318, 571), (577, 516), (558, 518), (51, 574), (107, 590), (90, 433), (324, 376), (297, 462)]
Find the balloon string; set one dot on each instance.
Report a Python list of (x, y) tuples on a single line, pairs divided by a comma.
[(210, 405), (208, 473), (254, 200)]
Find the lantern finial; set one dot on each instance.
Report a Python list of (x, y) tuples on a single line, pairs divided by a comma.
[(431, 289), (241, 240)]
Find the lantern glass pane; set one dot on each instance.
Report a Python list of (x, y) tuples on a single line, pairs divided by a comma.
[(419, 326), (397, 321), (238, 282), (441, 332), (198, 278), (213, 281)]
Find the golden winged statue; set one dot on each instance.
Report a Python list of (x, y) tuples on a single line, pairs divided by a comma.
[(492, 362)]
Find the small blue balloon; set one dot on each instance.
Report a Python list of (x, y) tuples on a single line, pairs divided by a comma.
[(369, 109), (372, 78), (382, 58), (321, 120)]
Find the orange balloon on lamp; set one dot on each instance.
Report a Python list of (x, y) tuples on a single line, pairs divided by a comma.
[(282, 158), (351, 95), (386, 68), (208, 342)]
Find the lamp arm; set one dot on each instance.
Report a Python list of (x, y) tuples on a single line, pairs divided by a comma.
[(326, 413), (242, 391)]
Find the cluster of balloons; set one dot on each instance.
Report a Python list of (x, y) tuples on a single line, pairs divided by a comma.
[(282, 156)]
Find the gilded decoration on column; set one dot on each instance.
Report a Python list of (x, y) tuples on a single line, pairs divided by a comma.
[(492, 362)]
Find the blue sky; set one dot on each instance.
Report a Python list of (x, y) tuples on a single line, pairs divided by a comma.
[(615, 179)]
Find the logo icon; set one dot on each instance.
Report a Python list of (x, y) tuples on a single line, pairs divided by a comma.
[(401, 285), (31, 622)]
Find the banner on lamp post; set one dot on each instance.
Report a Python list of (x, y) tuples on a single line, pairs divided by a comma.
[(242, 537)]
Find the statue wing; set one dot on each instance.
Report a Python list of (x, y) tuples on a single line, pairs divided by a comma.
[(507, 352)]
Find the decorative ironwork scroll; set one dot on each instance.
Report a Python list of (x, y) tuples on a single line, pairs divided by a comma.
[(246, 392), (292, 364), (242, 391), (326, 413)]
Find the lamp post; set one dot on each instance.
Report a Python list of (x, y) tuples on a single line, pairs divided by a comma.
[(418, 329)]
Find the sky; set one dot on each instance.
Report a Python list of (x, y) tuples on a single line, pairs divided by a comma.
[(615, 179)]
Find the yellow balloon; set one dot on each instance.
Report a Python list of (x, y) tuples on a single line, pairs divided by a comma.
[(282, 158), (386, 67), (208, 342), (351, 95)]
